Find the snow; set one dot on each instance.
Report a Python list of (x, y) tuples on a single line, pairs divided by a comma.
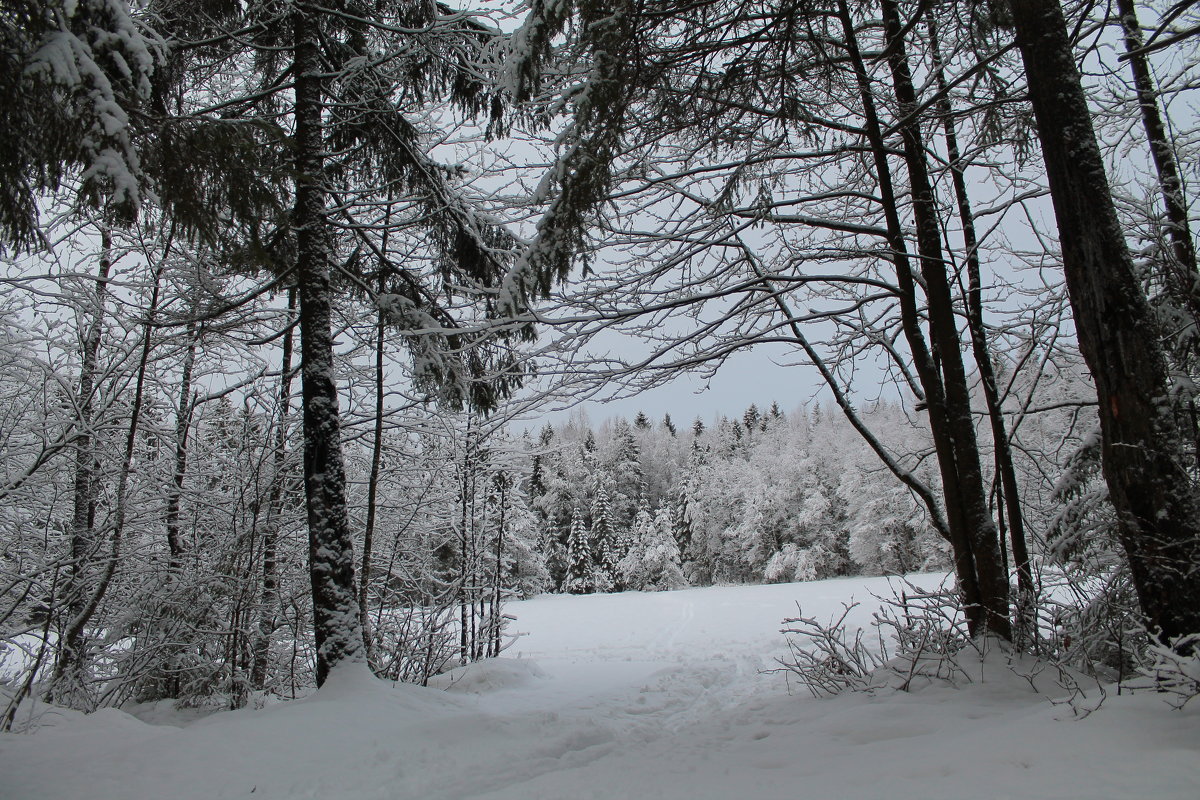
[(629, 695)]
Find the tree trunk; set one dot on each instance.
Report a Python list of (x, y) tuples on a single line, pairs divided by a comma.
[(494, 652), (183, 424), (1183, 276), (331, 549), (923, 360), (269, 600), (364, 590), (464, 641), (987, 376), (1152, 492), (980, 528), (67, 685)]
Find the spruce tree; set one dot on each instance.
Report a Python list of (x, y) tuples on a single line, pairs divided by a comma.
[(668, 425), (604, 545), (580, 577)]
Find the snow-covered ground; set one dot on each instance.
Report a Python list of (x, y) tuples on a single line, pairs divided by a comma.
[(629, 696)]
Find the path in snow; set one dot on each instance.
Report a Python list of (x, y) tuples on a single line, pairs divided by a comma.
[(627, 696)]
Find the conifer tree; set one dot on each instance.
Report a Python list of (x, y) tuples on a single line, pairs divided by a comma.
[(668, 425), (622, 474), (604, 546), (580, 577), (751, 418), (75, 79), (653, 562), (361, 171)]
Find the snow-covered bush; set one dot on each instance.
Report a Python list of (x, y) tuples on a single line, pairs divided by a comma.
[(1175, 670), (826, 657), (916, 635)]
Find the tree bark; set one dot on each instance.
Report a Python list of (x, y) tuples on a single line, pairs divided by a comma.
[(502, 485), (364, 591), (336, 624), (183, 424), (464, 641), (924, 361), (1151, 490)]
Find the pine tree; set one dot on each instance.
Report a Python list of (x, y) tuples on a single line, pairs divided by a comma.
[(653, 561), (75, 81), (355, 106), (537, 484), (621, 473)]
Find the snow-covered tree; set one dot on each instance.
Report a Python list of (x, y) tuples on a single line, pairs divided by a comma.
[(653, 561), (604, 539), (580, 576)]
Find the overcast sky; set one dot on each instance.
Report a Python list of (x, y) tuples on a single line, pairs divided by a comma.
[(755, 376)]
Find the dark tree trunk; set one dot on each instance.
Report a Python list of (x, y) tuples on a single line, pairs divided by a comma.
[(1183, 276), (364, 590), (980, 530), (958, 516), (987, 376), (502, 486), (1154, 497), (464, 641), (331, 550)]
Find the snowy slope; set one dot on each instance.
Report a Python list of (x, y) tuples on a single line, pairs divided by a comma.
[(628, 696)]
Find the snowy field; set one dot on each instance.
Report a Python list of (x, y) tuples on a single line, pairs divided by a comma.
[(628, 696)]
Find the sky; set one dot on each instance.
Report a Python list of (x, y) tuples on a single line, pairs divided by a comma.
[(748, 377)]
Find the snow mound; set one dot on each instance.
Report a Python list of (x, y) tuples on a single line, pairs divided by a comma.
[(491, 675)]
